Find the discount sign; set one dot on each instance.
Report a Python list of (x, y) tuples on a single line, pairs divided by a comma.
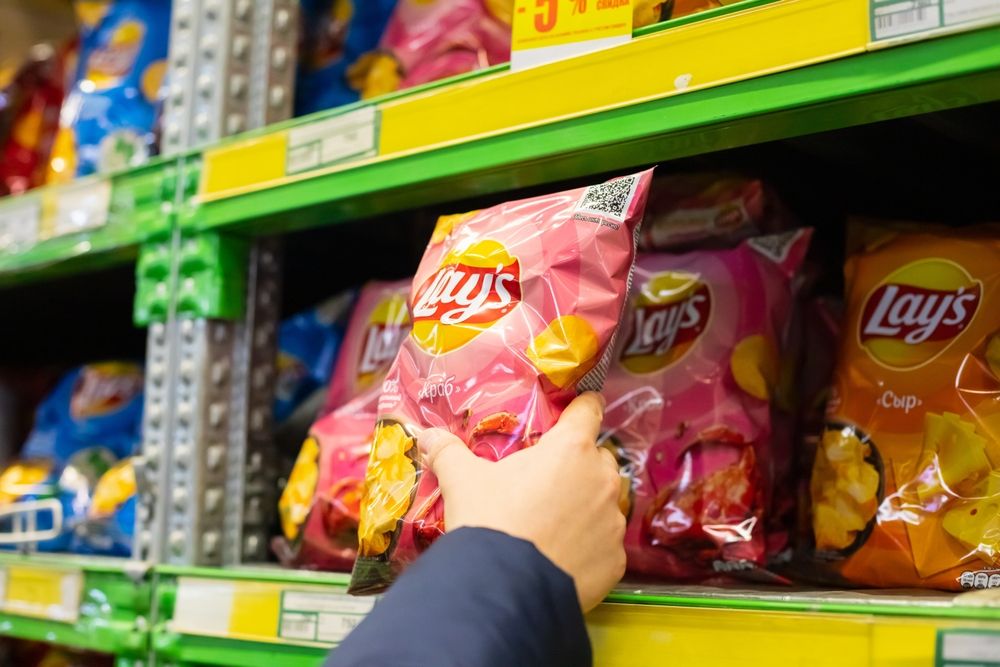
[(547, 30)]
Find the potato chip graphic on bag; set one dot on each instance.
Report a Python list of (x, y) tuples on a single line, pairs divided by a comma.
[(514, 309)]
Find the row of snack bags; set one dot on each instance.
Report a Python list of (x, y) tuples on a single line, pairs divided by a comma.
[(82, 447), (93, 103), (351, 49), (716, 365)]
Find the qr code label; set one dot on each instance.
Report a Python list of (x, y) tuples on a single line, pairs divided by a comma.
[(611, 199)]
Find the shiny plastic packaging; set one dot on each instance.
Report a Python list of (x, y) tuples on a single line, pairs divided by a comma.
[(29, 119), (514, 310), (427, 40), (906, 481), (334, 35), (709, 209), (308, 344), (320, 504), (89, 422), (110, 522), (379, 323), (647, 12), (693, 396), (108, 117)]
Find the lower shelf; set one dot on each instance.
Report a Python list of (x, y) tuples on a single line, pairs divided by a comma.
[(264, 616), (251, 617)]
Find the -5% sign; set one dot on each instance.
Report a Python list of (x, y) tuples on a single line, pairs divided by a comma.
[(547, 30)]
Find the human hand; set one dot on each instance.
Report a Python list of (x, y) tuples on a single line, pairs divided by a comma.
[(561, 495)]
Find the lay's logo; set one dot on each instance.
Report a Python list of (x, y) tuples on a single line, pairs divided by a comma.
[(917, 312), (111, 62), (669, 314), (103, 388), (387, 326), (470, 292)]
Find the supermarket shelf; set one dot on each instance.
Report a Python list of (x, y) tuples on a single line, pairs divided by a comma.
[(89, 603), (511, 129), (92, 223), (600, 134), (240, 617)]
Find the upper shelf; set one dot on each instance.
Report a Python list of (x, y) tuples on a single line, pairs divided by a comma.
[(768, 72), (750, 72)]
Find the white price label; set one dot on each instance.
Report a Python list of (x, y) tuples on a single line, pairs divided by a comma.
[(20, 220), (320, 616), (81, 206), (968, 648), (324, 142), (266, 611), (908, 19)]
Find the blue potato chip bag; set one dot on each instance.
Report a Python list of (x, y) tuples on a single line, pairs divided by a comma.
[(94, 405), (91, 421), (109, 114), (335, 34), (307, 349)]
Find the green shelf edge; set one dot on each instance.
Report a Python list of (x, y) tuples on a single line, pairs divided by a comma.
[(219, 652), (135, 215), (64, 561), (105, 625), (274, 574), (62, 634), (936, 74), (899, 610)]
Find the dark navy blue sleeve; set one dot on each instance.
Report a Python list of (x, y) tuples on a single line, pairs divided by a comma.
[(476, 598)]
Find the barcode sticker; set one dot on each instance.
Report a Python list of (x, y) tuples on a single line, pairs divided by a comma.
[(968, 648), (902, 18), (323, 617), (896, 19), (81, 206), (20, 220), (351, 135)]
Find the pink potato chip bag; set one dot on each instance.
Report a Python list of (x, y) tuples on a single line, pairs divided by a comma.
[(320, 503), (378, 325), (709, 209), (691, 398), (427, 40), (514, 311)]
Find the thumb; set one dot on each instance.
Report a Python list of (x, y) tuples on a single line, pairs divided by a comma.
[(445, 455)]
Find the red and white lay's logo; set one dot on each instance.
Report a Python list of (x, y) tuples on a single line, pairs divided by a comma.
[(103, 388), (917, 312), (472, 289), (387, 326), (669, 314)]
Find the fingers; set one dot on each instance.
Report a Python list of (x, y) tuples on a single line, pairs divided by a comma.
[(580, 422), (445, 455), (609, 456)]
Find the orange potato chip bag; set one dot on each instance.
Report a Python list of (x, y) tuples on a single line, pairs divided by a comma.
[(906, 481)]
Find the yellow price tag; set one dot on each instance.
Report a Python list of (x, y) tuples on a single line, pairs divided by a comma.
[(43, 593), (547, 30)]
